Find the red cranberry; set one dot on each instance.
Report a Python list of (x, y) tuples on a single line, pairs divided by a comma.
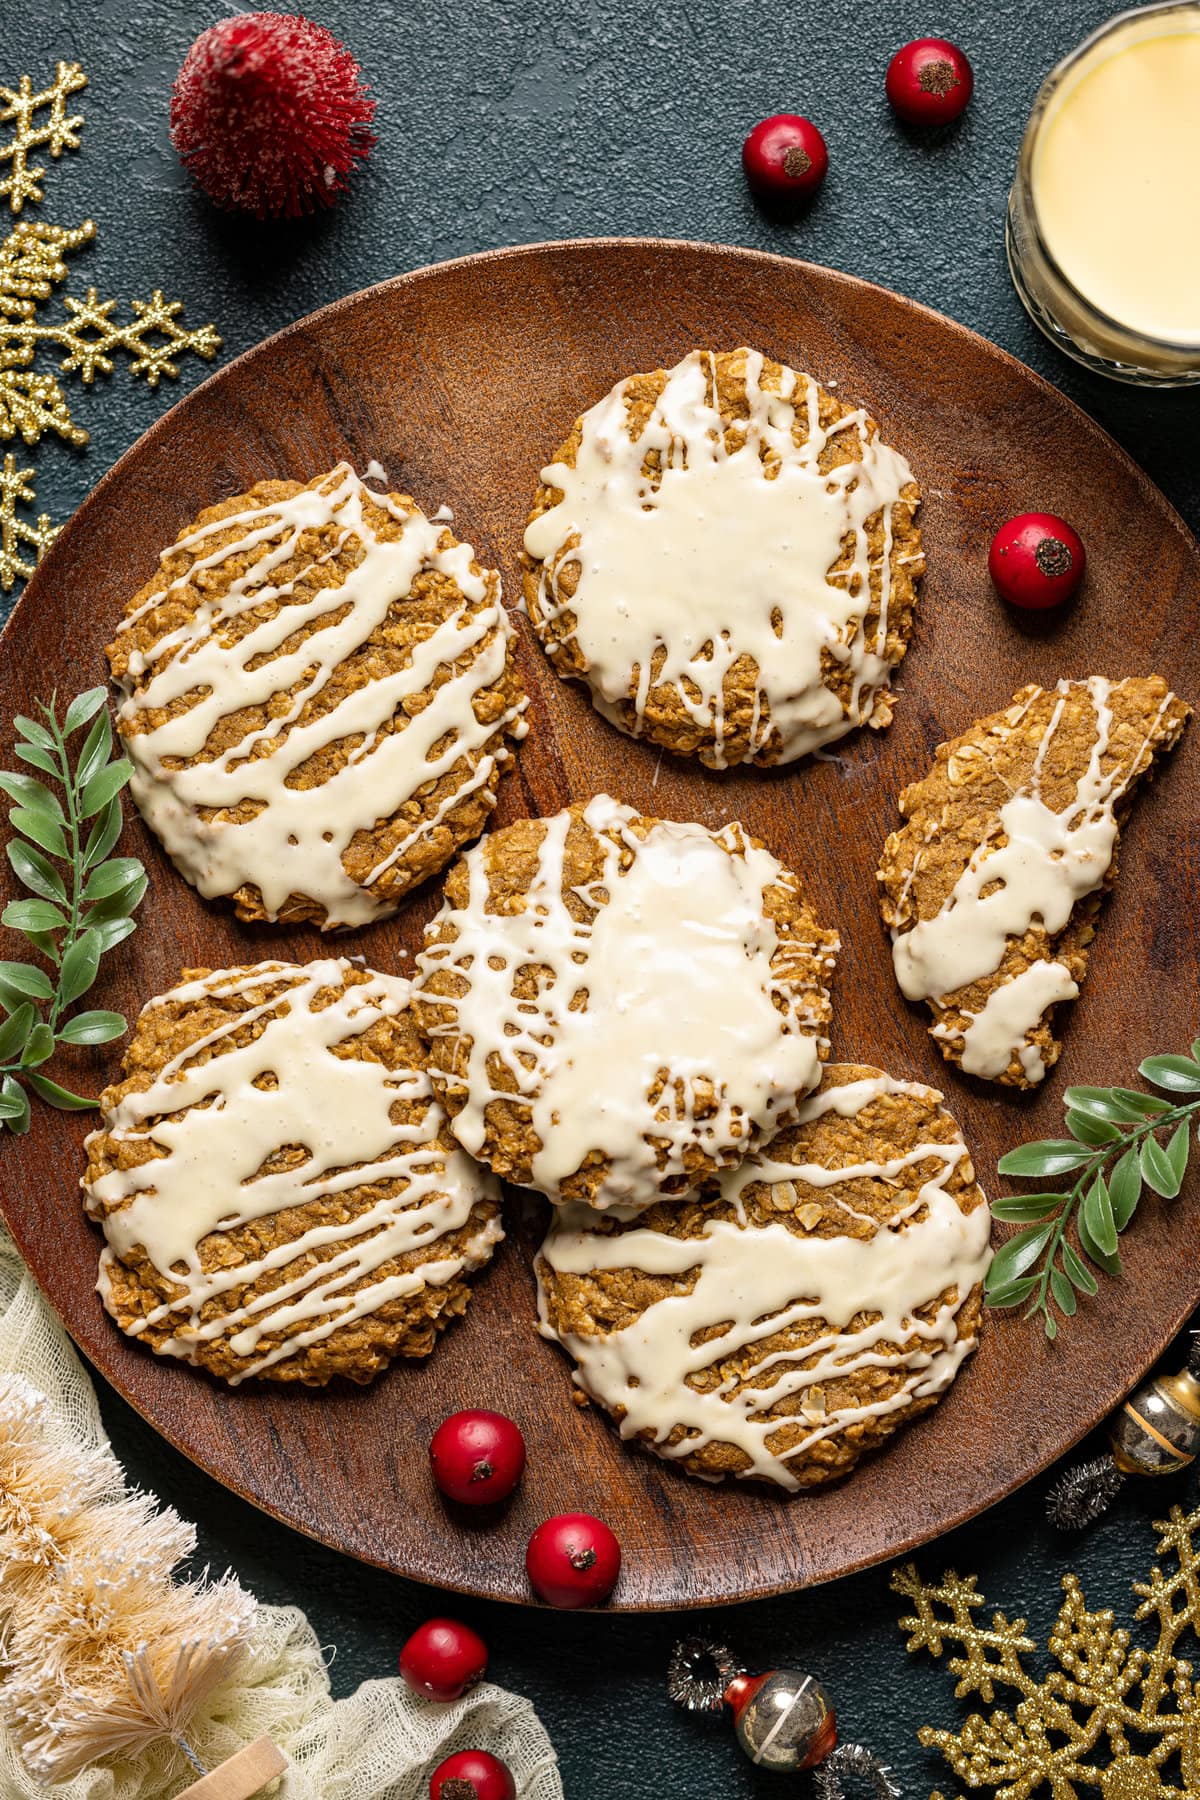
[(1036, 560), (442, 1659), (929, 82), (573, 1560), (472, 1775), (477, 1457), (785, 158)]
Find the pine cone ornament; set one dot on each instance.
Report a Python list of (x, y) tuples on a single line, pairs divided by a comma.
[(270, 113)]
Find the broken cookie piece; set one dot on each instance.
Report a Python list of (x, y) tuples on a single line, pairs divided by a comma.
[(992, 887)]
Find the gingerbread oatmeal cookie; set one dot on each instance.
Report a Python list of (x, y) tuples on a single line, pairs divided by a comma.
[(784, 1320), (728, 556), (618, 1006), (277, 1184), (318, 696), (993, 886)]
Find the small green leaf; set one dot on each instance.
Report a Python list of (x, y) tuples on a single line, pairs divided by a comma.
[(109, 932), (33, 915), (1125, 1187), (27, 978), (40, 1047), (82, 708), (1177, 1151), (16, 1098), (95, 753), (33, 732), (1110, 1264), (111, 877), (61, 1097), (1026, 1207), (1049, 1156), (1051, 1324), (79, 966), (40, 830), (35, 871), (103, 835), (92, 1028), (1101, 1103), (104, 786), (14, 1033), (10, 1107), (1179, 1074), (121, 904), (1013, 1292), (1092, 1130), (1156, 1169), (1064, 1293), (46, 943), (1017, 1255), (1195, 1052), (1146, 1104), (1078, 1270), (41, 759), (1096, 1213), (26, 790)]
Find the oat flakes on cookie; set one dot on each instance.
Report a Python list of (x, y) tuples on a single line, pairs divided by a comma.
[(728, 556), (993, 887), (317, 694), (618, 1006), (783, 1321), (278, 1186)]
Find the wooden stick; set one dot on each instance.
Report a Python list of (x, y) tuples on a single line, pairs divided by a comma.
[(241, 1775)]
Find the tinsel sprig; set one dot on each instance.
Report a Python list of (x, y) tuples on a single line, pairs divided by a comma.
[(81, 898), (1122, 1141)]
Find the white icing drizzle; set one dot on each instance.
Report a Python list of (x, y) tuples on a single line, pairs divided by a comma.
[(677, 965), (295, 842), (998, 1032), (1049, 861), (339, 1109), (712, 560), (755, 1281)]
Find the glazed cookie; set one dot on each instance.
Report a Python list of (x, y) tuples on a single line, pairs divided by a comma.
[(317, 695), (992, 888), (780, 1323), (278, 1187), (619, 1006), (727, 555)]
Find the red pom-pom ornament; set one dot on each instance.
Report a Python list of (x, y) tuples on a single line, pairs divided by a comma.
[(478, 1457), (573, 1560), (472, 1775), (929, 82), (785, 159), (270, 114), (1036, 561), (442, 1659)]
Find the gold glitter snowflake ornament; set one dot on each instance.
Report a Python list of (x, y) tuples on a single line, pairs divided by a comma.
[(33, 262), (19, 108), (1111, 1716)]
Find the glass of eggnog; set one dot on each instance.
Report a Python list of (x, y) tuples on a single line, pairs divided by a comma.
[(1104, 214)]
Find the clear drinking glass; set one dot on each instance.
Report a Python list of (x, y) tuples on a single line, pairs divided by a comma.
[(1067, 316)]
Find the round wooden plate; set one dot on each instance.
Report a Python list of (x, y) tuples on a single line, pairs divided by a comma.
[(461, 380)]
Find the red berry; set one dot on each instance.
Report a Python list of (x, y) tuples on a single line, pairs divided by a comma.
[(573, 1560), (270, 113), (929, 82), (442, 1659), (478, 1457), (1036, 560), (785, 158), (472, 1775)]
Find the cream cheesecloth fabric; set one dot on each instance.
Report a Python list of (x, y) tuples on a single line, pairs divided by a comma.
[(378, 1744)]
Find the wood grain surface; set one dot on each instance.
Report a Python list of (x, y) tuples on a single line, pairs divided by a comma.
[(460, 380)]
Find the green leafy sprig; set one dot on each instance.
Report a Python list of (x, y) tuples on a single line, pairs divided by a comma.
[(81, 898), (1116, 1149)]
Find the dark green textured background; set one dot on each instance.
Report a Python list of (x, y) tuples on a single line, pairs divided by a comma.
[(503, 123)]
